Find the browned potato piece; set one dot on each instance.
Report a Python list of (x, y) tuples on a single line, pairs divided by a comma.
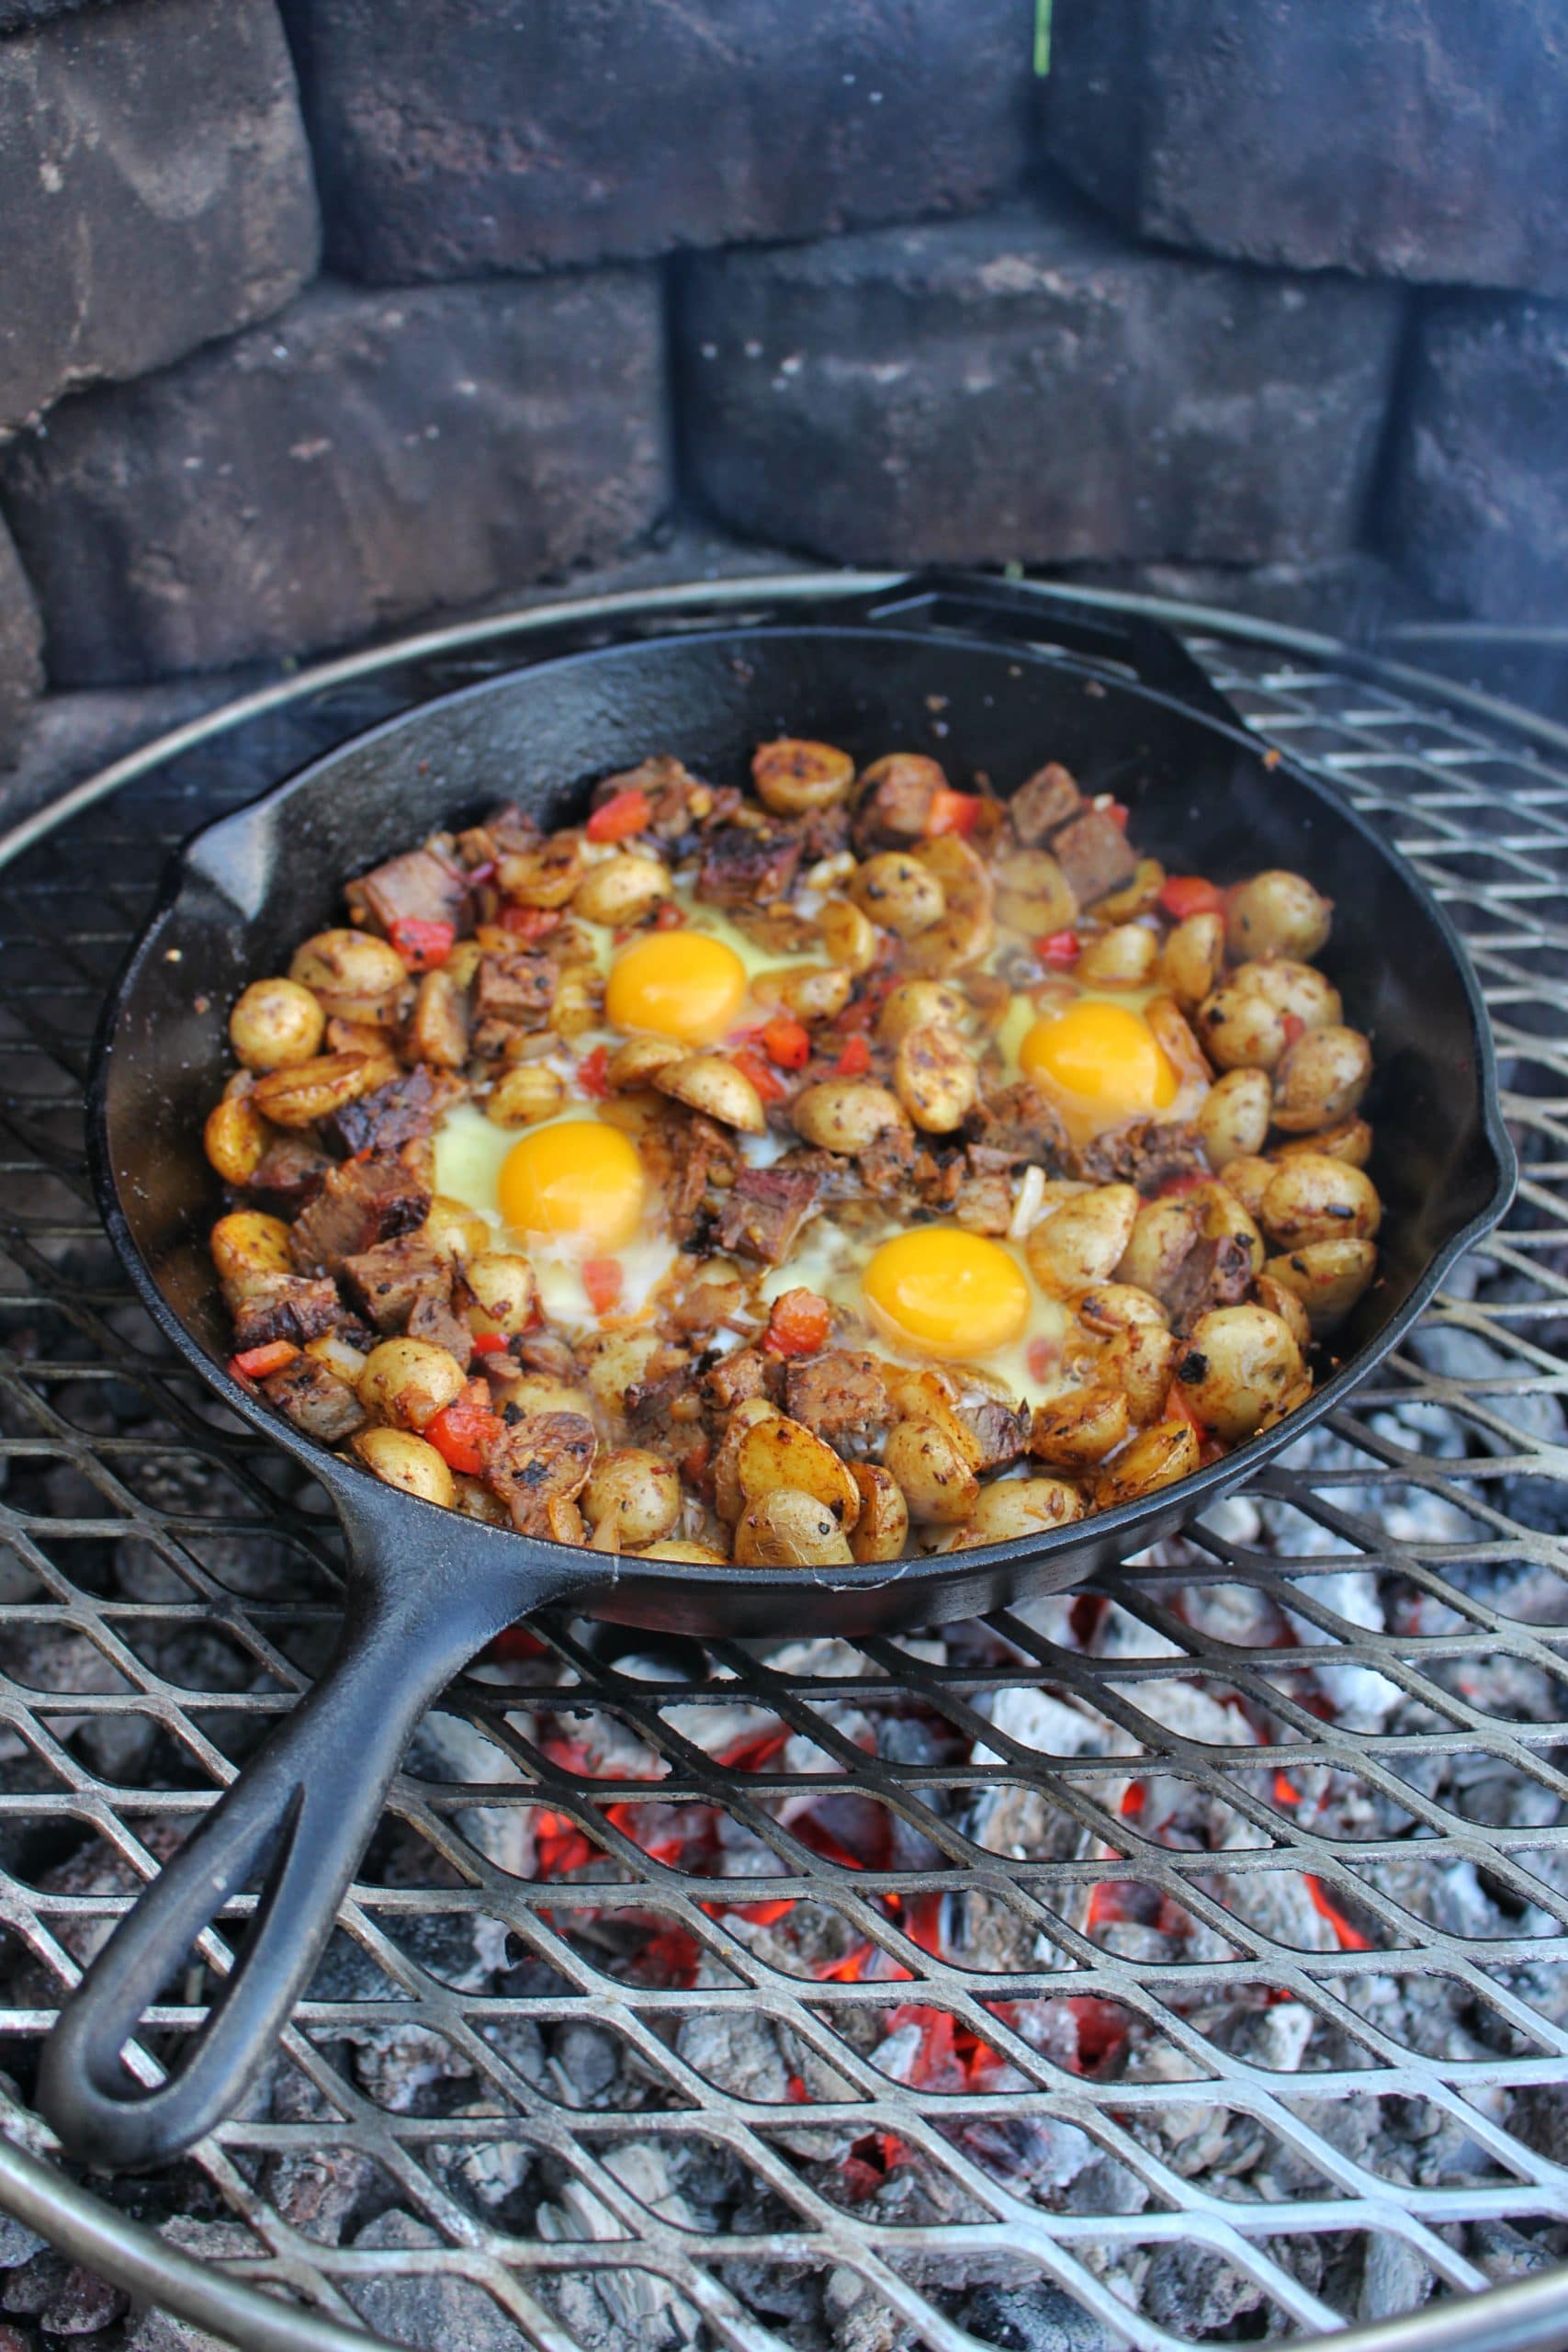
[(1277, 914), (1076, 1430), (1320, 1078), (935, 1079), (1222, 1218), (1239, 1029), (234, 1139), (1162, 1233), (895, 890), (712, 1084), (1287, 1306), (501, 1287), (882, 1528), (916, 1005), (622, 889), (1120, 1307), (1162, 1455), (845, 1115), (275, 1023), (793, 777), (849, 937), (1296, 988), (789, 1530), (1247, 1180), (455, 1230), (1193, 958), (634, 1493), (438, 1032), (470, 1497), (1138, 897), (524, 1096), (1173, 1034), (352, 974), (1232, 1118), (894, 795), (1123, 958), (1240, 1363), (1139, 1360), (778, 1451), (727, 1498), (299, 1096), (1315, 1198), (408, 1382), (401, 1460), (1348, 1139), (935, 1476), (1033, 895), (1010, 1508), (812, 995), (546, 875), (637, 1062), (1328, 1277), (1084, 1241), (968, 929), (248, 1248), (698, 1555)]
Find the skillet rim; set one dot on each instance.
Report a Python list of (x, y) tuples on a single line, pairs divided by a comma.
[(577, 1575)]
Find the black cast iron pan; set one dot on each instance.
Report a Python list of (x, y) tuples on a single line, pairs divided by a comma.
[(1125, 707)]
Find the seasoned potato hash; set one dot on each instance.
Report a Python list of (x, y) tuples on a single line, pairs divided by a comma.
[(817, 1174)]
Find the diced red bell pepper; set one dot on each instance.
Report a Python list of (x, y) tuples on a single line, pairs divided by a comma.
[(1294, 1027), (591, 1073), (668, 916), (489, 1343), (768, 1085), (604, 1279), (1190, 894), (1187, 1179), (458, 1433), (799, 1324), (423, 946), (622, 814), (954, 812), (1177, 1408), (855, 1059), (254, 1364), (529, 923), (1059, 947), (786, 1042)]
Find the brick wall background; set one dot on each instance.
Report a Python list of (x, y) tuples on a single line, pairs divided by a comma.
[(318, 318)]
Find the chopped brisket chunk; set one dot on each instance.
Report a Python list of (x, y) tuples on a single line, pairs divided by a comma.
[(289, 1172), (747, 1373), (742, 867), (1044, 801), (407, 1106), (982, 1195), (764, 1210), (361, 1202), (538, 1353), (676, 799), (1021, 1125), (667, 1410), (1092, 852), (543, 1458), (390, 1280), (889, 1163), (317, 1402), (418, 886), (841, 1395), (511, 992), (296, 1307), (695, 1148), (894, 804), (1213, 1274), (1144, 1153), (435, 1318), (1001, 1428)]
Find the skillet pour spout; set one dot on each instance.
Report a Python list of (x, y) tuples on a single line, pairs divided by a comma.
[(1019, 675)]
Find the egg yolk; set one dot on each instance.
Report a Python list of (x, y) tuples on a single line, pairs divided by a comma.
[(1100, 1064), (676, 984), (577, 1181), (946, 1293)]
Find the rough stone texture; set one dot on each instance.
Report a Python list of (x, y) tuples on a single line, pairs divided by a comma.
[(1479, 505), (456, 136), (155, 190), (361, 458), (1420, 139), (22, 648), (1031, 386)]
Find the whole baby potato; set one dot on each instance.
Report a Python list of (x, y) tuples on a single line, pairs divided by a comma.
[(789, 1530), (1241, 1364), (406, 1461), (1083, 1242), (274, 1024), (1328, 1277), (934, 1078), (634, 1494), (408, 1382), (1232, 1118), (1315, 1198), (1277, 914), (895, 890), (354, 976), (1320, 1078), (1158, 1458), (1010, 1508), (934, 1472), (1193, 958), (845, 1115)]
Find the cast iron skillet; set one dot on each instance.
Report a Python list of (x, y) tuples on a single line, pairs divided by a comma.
[(1124, 706)]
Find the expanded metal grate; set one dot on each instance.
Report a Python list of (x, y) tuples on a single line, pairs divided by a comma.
[(1178, 1961)]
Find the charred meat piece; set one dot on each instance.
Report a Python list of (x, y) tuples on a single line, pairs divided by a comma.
[(747, 1373), (296, 1307), (289, 1172), (389, 1281), (668, 1410), (419, 886), (319, 1404), (894, 802), (433, 1318), (536, 1459), (1146, 1153), (1092, 852), (677, 799), (361, 1202), (982, 1197), (764, 1210), (1020, 1125), (1214, 1272), (407, 1106), (512, 992), (1001, 1428), (1044, 801), (696, 1148), (742, 867), (841, 1395)]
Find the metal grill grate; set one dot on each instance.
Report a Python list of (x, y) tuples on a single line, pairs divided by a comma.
[(1253, 1881)]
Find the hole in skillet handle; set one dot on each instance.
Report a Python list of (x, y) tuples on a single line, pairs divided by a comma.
[(977, 604)]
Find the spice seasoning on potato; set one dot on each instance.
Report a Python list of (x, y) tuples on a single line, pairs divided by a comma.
[(798, 1168)]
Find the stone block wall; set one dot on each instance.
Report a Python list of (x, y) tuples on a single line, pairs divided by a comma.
[(319, 316)]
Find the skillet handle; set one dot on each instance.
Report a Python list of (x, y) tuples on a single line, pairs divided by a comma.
[(1029, 610), (311, 1798)]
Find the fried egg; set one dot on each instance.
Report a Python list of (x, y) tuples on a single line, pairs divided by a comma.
[(1100, 1065), (684, 984), (942, 1292)]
